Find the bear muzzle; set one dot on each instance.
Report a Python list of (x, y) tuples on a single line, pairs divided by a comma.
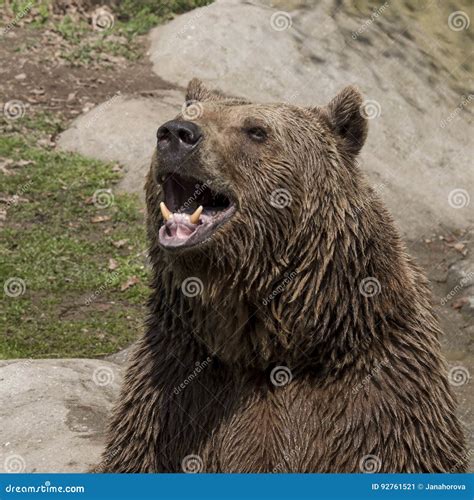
[(192, 212)]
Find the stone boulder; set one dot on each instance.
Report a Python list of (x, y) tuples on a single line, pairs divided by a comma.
[(123, 129), (53, 413)]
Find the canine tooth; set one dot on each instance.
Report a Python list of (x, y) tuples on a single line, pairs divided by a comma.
[(164, 211), (194, 218)]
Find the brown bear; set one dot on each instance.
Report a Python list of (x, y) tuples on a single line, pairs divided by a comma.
[(288, 330)]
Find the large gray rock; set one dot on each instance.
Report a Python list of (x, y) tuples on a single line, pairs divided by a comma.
[(53, 413), (123, 129), (419, 149)]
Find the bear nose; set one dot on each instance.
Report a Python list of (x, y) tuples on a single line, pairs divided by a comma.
[(178, 136)]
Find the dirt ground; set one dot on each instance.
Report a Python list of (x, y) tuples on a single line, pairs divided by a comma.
[(47, 83)]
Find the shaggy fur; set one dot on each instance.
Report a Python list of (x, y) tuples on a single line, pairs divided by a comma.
[(367, 374)]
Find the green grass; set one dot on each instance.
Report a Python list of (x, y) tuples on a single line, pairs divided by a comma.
[(86, 44), (72, 304), (138, 17)]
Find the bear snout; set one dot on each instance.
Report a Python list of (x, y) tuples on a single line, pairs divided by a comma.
[(176, 140)]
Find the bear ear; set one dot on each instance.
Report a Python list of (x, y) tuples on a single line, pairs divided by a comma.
[(197, 91), (347, 120)]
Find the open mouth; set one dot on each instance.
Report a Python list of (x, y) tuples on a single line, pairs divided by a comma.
[(192, 212)]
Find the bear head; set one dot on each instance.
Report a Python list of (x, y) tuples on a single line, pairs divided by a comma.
[(244, 186)]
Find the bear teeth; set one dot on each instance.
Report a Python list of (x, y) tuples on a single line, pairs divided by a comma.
[(164, 211), (193, 218)]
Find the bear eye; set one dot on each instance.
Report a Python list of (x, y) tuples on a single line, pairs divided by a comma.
[(257, 134)]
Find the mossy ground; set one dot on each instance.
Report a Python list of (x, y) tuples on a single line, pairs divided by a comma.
[(72, 303), (73, 272), (115, 35)]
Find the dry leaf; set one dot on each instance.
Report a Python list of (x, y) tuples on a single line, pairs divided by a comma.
[(3, 216), (460, 247), (87, 107), (100, 218), (458, 303), (5, 171), (47, 143), (119, 243), (103, 306), (22, 163), (448, 238), (113, 264), (133, 280), (13, 200)]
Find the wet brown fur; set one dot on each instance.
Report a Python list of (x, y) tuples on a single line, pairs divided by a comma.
[(368, 375)]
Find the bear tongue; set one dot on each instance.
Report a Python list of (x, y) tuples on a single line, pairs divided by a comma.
[(178, 226), (180, 232)]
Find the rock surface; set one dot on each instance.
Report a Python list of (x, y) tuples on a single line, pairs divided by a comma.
[(460, 281), (122, 357), (419, 149), (123, 129), (53, 413)]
